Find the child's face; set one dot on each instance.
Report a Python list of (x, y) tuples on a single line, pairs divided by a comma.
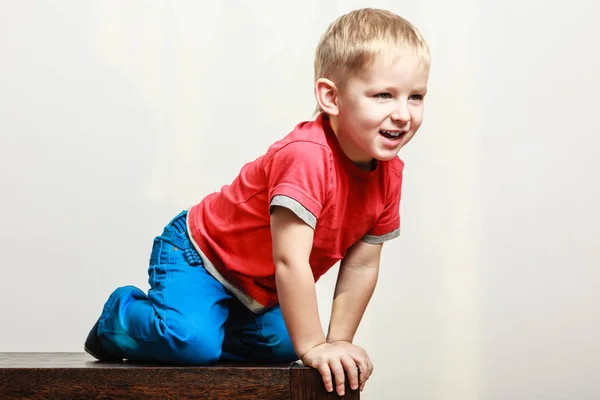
[(381, 109)]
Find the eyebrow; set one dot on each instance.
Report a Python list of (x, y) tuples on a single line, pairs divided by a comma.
[(420, 89)]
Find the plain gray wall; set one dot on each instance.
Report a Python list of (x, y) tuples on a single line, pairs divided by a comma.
[(116, 115)]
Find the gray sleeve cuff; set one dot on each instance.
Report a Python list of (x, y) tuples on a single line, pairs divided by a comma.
[(297, 208), (380, 239)]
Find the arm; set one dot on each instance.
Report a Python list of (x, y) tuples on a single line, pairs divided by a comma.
[(292, 244), (355, 285)]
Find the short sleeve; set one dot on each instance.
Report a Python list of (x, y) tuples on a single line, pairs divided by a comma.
[(387, 226), (297, 178)]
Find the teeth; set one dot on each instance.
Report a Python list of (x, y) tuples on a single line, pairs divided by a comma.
[(394, 134)]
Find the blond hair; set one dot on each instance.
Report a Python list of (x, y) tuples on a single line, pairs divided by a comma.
[(353, 40)]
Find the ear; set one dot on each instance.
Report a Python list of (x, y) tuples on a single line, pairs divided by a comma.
[(326, 94)]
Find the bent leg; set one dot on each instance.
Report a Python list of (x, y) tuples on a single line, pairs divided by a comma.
[(257, 337), (180, 320)]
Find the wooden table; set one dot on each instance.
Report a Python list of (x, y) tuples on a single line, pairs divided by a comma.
[(79, 376)]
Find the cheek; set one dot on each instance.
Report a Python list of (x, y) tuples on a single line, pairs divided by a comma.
[(416, 118), (368, 117)]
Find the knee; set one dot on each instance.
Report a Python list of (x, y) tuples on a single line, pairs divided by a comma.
[(278, 338), (283, 350), (196, 344)]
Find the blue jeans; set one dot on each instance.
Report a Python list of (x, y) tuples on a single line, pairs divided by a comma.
[(188, 317)]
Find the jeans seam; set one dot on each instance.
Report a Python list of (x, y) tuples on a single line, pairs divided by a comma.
[(108, 305), (164, 292)]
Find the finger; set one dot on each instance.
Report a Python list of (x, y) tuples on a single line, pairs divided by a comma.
[(352, 370), (368, 375), (323, 368), (338, 374), (363, 369)]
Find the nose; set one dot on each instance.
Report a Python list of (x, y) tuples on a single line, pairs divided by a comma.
[(401, 114)]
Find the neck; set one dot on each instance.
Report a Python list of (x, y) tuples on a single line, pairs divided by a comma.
[(346, 145)]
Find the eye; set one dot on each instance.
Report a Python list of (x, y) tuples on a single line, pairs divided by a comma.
[(416, 97), (384, 95)]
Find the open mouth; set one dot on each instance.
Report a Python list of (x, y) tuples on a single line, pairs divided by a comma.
[(391, 134)]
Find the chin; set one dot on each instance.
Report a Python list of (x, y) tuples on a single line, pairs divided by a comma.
[(386, 156)]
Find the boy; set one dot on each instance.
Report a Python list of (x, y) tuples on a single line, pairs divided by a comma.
[(233, 278)]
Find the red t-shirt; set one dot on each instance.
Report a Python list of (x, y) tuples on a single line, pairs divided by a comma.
[(307, 172)]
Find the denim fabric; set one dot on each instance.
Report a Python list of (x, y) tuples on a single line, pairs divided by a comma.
[(188, 317)]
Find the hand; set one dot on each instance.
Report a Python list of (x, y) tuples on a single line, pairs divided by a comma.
[(360, 357), (327, 358)]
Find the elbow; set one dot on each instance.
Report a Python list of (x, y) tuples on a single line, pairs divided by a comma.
[(283, 265), (287, 261), (291, 269)]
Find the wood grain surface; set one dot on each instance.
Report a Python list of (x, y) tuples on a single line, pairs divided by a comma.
[(79, 376)]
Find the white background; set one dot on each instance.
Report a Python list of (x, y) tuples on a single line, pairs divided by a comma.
[(116, 115)]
